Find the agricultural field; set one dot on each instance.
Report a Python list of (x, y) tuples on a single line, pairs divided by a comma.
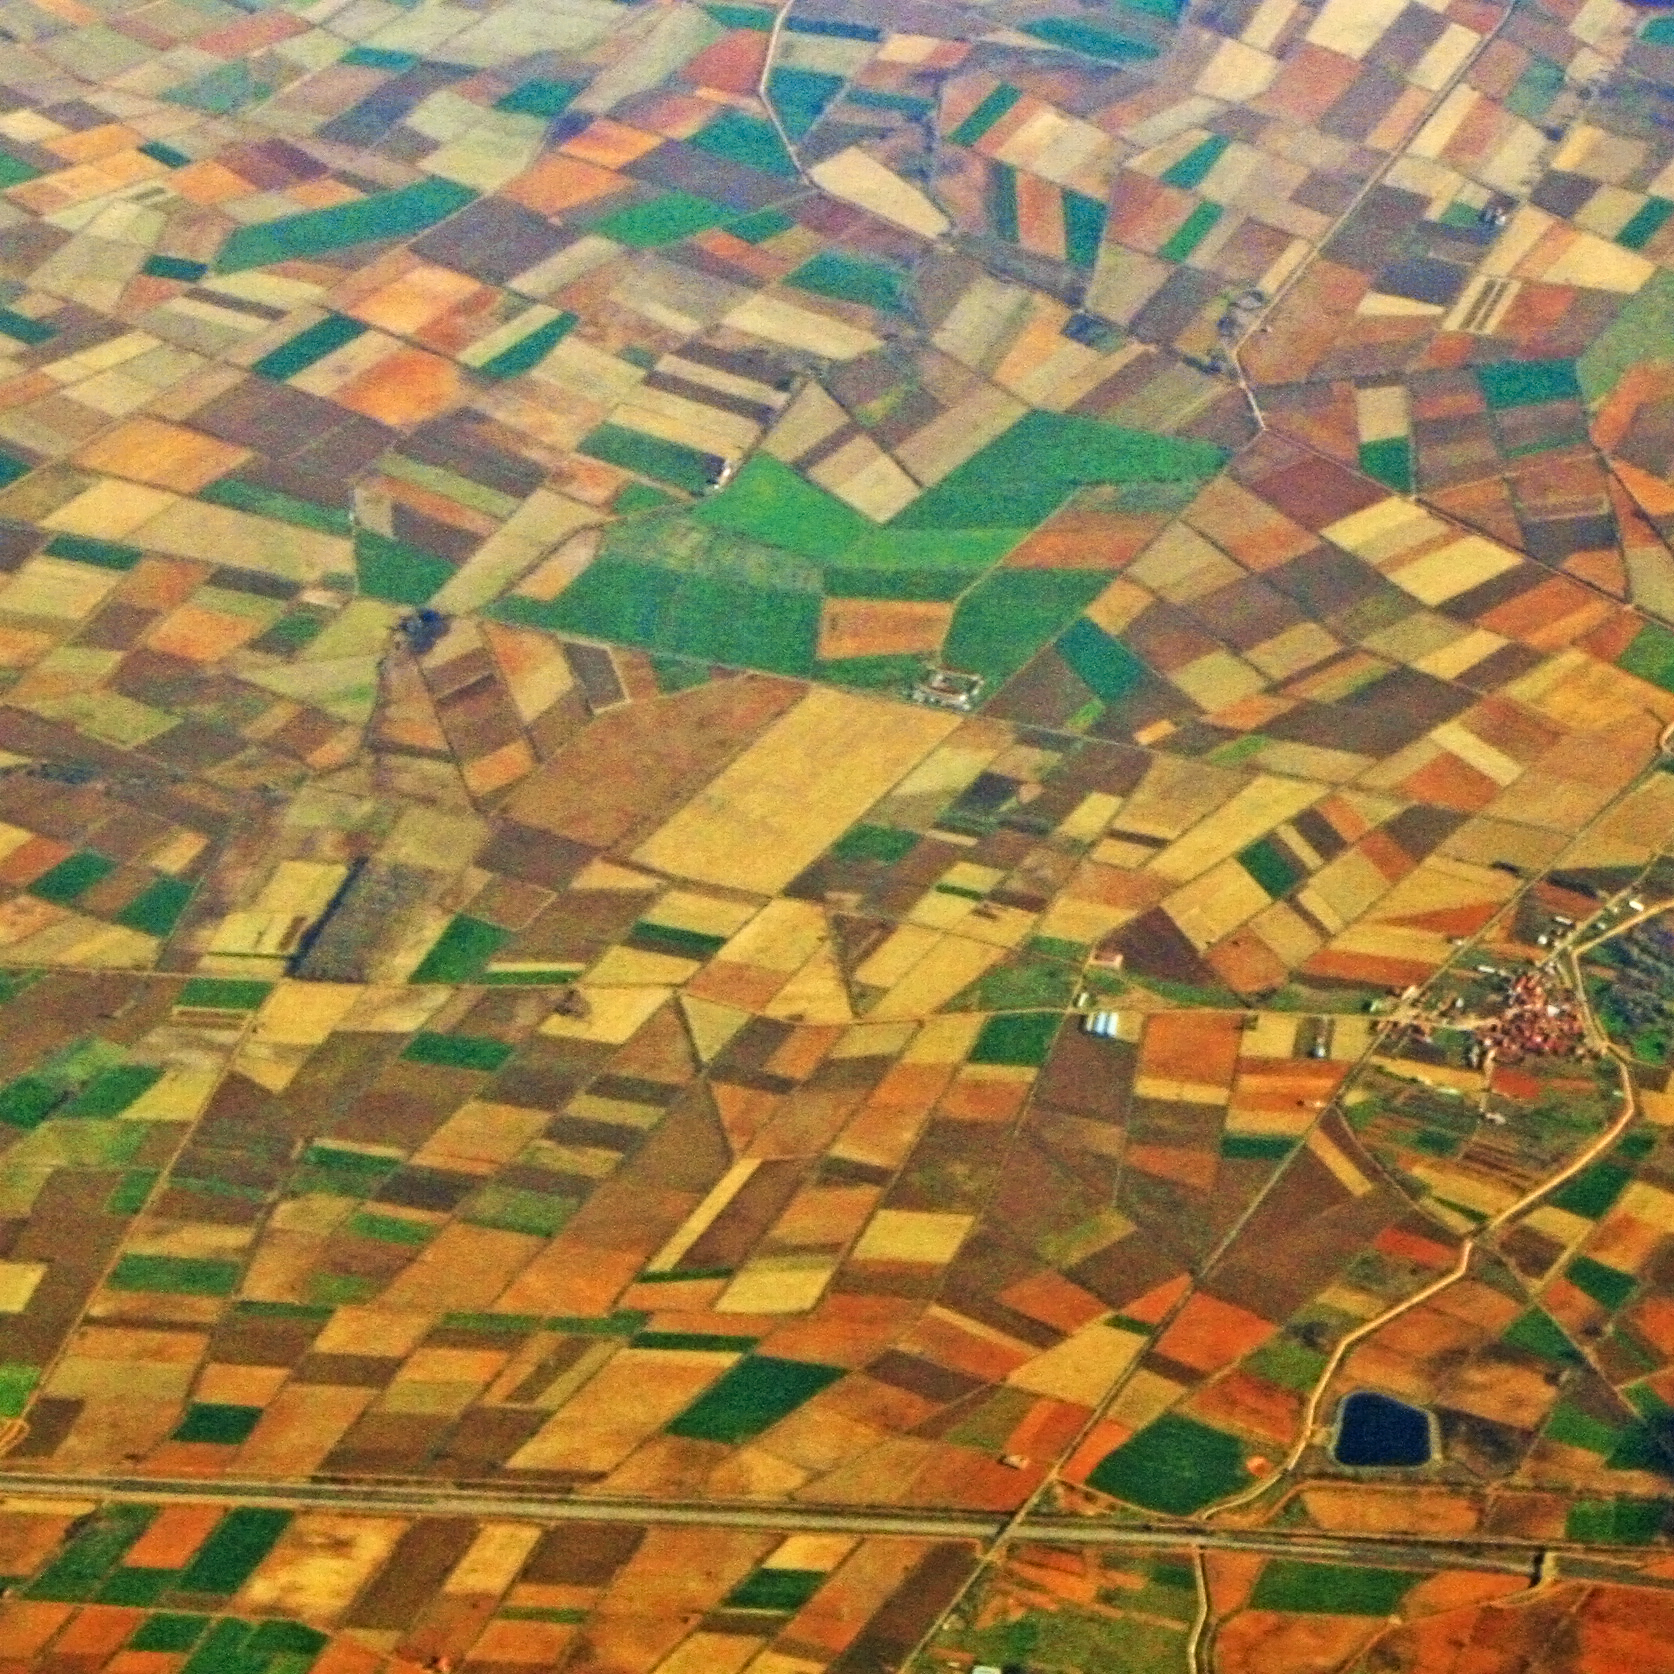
[(821, 824), (1057, 1609), (170, 1586)]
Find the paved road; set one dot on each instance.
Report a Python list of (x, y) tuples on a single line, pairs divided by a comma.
[(22, 1491)]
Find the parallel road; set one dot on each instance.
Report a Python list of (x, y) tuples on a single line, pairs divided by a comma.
[(26, 1491)]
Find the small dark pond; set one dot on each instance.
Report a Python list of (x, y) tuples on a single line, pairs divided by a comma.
[(1379, 1430)]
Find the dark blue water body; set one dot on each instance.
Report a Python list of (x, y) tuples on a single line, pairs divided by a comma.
[(1379, 1430)]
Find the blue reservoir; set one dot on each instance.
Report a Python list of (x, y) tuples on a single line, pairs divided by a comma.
[(1376, 1429)]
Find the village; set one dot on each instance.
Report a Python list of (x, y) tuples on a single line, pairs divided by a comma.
[(1529, 1014)]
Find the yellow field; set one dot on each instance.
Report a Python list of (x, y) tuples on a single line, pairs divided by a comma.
[(919, 1235), (923, 970), (1254, 811), (794, 792), (320, 1564), (480, 1137), (626, 1403), (1082, 1367), (779, 1284), (1215, 905)]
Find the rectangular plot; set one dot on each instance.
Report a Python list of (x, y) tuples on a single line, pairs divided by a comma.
[(461, 952), (221, 1649), (309, 346), (651, 456), (473, 1052), (792, 794), (396, 214), (156, 909), (133, 1586), (228, 1558), (293, 1579), (1331, 1589), (171, 1539), (754, 1395), (1517, 383), (624, 1404), (582, 1554), (175, 1275), (92, 1555), (69, 878), (169, 1633)]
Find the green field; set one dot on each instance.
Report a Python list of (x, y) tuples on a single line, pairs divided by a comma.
[(1574, 1428), (800, 97), (664, 219), (395, 572), (1022, 1038), (1026, 473), (651, 456), (1649, 220), (76, 1572), (175, 1275), (1089, 39), (874, 842), (168, 1631), (389, 1229), (1271, 866), (986, 114), (1621, 1521), (1009, 614), (1593, 1190), (1330, 1589), (1191, 232), (768, 502), (738, 577), (82, 549), (211, 1422), (1018, 985), (1641, 330), (1524, 383), (461, 951), (1105, 666), (338, 1173), (1175, 1465), (779, 1590), (1607, 1286), (17, 1383), (750, 1397), (518, 1209), (239, 1542), (846, 581), (397, 214), (870, 674), (111, 1091), (848, 278), (1389, 462), (157, 908), (716, 619), (471, 1052), (1651, 656), (750, 140), (900, 546), (72, 877), (1069, 1639), (1255, 1147)]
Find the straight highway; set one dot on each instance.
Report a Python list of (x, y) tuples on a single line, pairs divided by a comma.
[(20, 1491)]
